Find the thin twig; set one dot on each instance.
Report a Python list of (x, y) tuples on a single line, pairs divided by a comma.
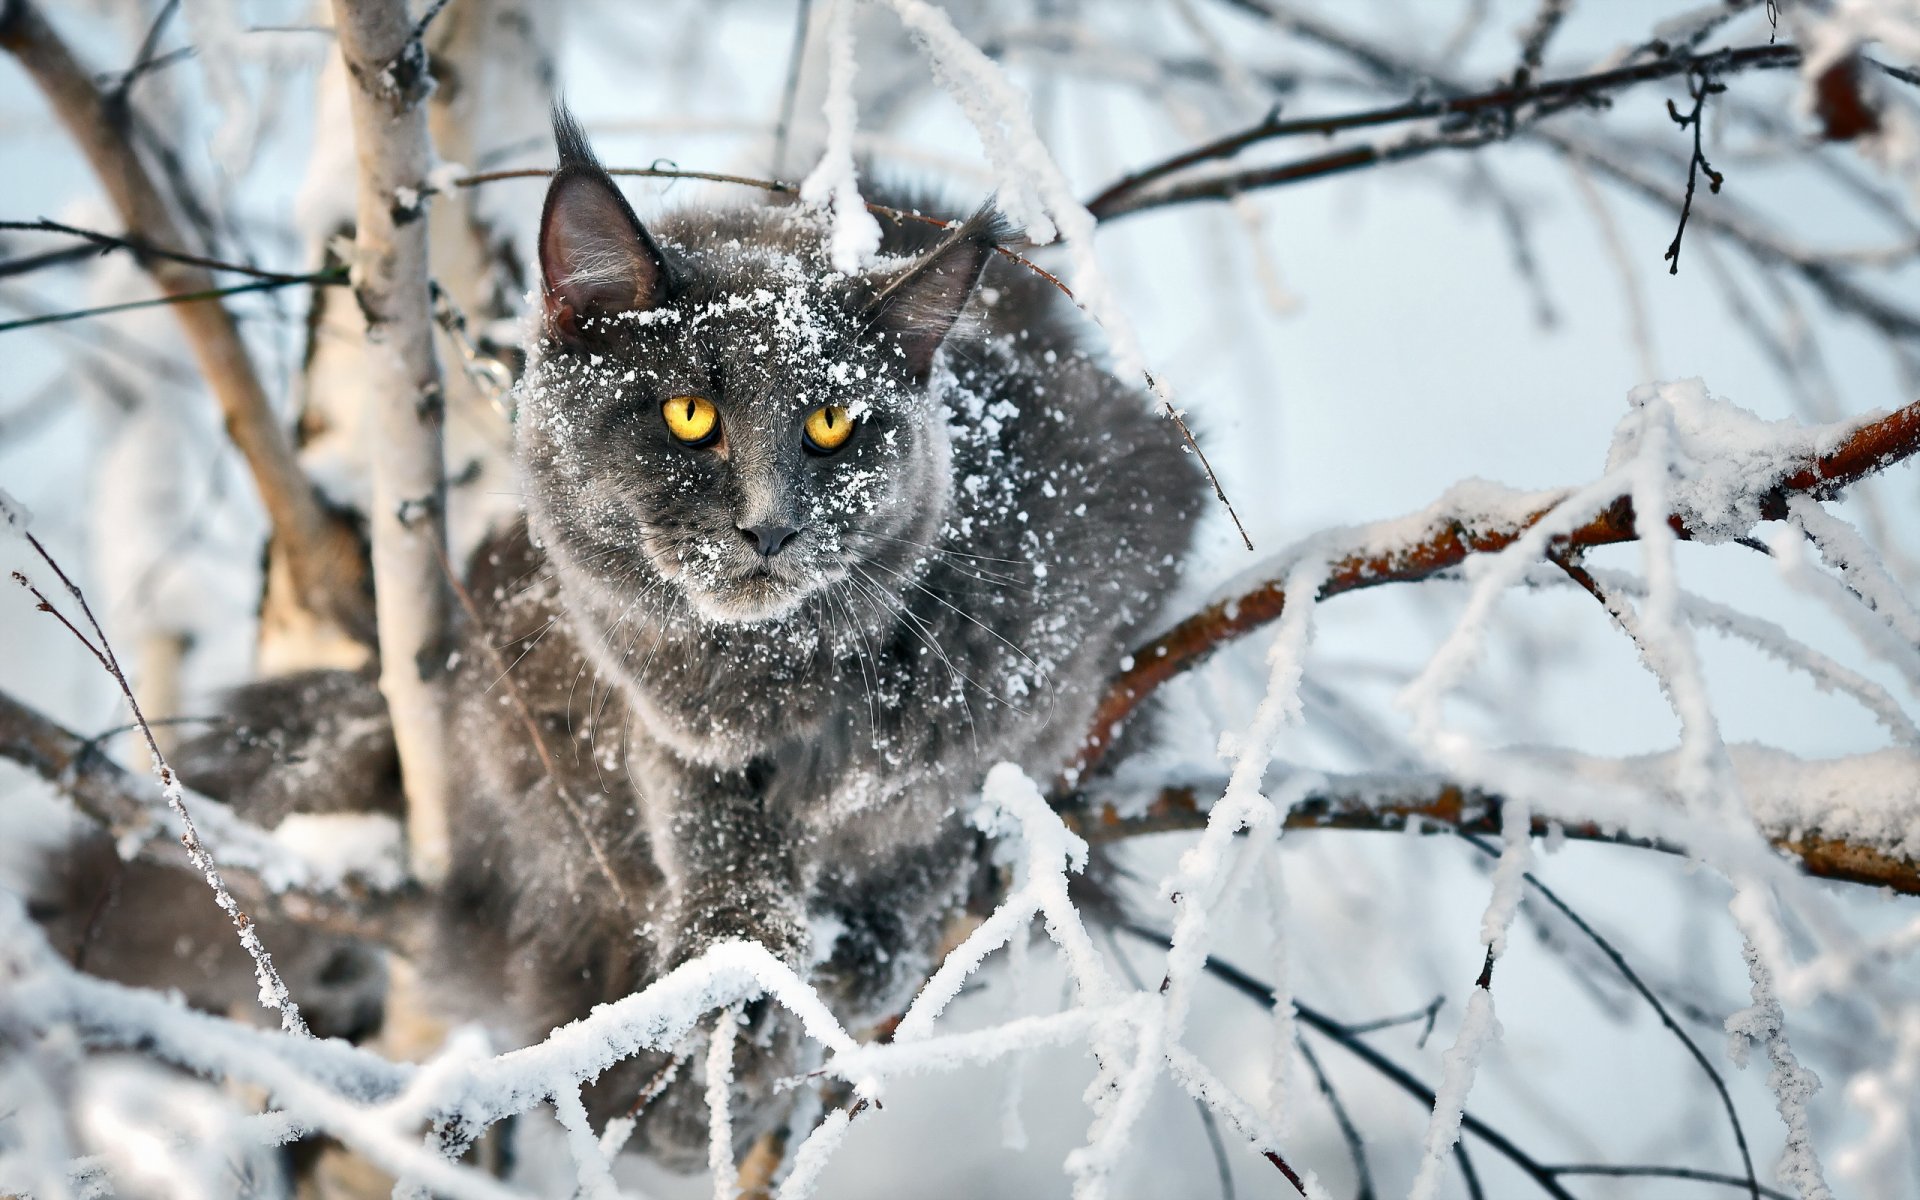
[(1700, 85), (1619, 962), (1533, 42), (1262, 994), (1425, 1016), (143, 60), (273, 992), (142, 249), (1504, 103), (1639, 1172), (1349, 1132), (317, 279)]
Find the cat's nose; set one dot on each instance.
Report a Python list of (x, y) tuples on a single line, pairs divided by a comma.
[(768, 539)]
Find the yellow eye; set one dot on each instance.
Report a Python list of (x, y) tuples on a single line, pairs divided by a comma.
[(692, 419), (828, 428)]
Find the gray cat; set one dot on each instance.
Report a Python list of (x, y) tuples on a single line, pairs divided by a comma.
[(804, 555)]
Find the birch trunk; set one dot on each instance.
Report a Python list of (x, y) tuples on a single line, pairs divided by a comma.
[(389, 85)]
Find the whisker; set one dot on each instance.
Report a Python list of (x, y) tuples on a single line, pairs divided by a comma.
[(1039, 672), (931, 548), (859, 638), (536, 640)]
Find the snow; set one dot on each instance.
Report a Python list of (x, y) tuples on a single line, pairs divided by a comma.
[(334, 848), (856, 234), (1478, 1030), (1763, 1025), (726, 1182)]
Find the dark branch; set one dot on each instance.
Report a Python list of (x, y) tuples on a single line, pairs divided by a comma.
[(142, 250), (1619, 961), (1499, 110), (1699, 86), (1262, 994), (317, 279)]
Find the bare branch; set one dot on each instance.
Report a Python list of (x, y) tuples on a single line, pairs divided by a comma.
[(1262, 994), (1502, 107), (329, 571), (317, 279), (143, 250), (1699, 87)]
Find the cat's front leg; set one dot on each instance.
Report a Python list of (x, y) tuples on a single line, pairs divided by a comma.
[(734, 866)]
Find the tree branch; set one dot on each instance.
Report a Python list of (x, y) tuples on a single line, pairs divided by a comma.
[(1446, 538), (1392, 805), (122, 805), (324, 553), (389, 85), (1822, 274), (1502, 105)]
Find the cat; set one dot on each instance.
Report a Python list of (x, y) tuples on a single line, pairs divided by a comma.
[(805, 553)]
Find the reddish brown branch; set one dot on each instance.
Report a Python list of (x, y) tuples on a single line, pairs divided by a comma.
[(1448, 808), (1446, 543)]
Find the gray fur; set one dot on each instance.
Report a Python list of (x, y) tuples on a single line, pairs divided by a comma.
[(781, 749)]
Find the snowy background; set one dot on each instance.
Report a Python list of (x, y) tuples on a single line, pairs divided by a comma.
[(1347, 350)]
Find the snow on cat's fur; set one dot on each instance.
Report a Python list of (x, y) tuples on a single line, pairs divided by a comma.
[(773, 738)]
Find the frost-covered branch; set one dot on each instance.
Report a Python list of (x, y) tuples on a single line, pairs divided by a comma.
[(1811, 810), (388, 68), (273, 992), (1470, 520), (266, 875), (324, 554)]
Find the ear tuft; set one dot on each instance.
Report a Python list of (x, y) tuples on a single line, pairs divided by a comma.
[(919, 306), (596, 259)]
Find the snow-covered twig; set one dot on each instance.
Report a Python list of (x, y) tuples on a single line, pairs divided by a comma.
[(1830, 816), (273, 992)]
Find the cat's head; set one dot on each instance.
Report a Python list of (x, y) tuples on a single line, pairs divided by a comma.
[(712, 409)]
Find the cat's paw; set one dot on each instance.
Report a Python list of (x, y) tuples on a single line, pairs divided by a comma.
[(697, 924)]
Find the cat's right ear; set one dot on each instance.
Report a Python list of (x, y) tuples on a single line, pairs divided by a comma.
[(596, 259)]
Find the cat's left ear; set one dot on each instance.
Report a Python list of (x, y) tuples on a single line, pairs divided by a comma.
[(596, 258), (917, 308)]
